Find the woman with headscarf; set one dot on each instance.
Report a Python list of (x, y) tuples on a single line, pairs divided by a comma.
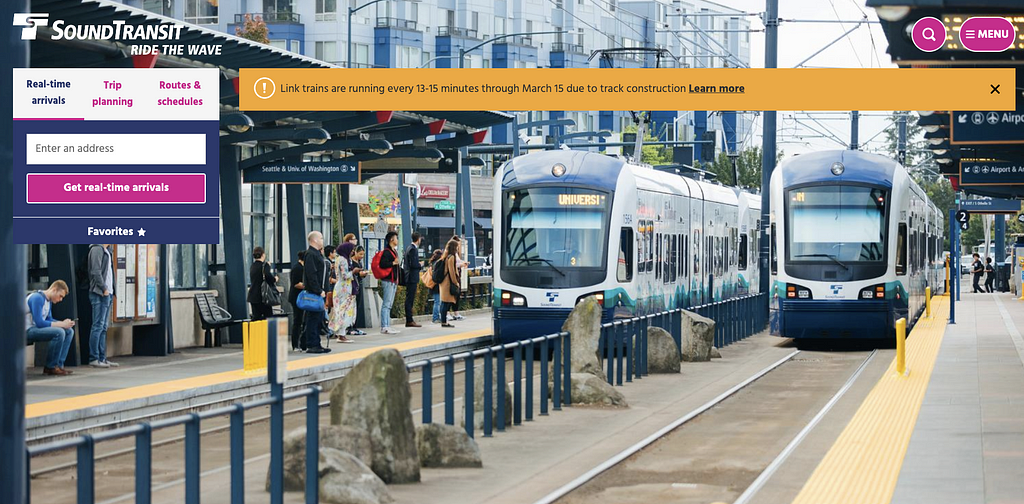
[(344, 313)]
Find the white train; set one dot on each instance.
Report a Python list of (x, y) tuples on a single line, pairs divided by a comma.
[(569, 224), (854, 243)]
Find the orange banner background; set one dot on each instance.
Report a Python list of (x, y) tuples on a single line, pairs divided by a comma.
[(580, 89)]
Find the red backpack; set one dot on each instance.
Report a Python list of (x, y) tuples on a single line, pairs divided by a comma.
[(378, 272)]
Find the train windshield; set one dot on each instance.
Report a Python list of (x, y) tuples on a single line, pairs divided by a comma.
[(557, 231), (841, 224)]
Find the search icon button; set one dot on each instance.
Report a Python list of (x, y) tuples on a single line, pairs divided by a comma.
[(929, 34)]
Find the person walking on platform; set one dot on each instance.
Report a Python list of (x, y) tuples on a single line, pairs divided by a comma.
[(343, 315), (314, 278), (295, 277), (411, 273), (435, 291), (259, 273), (389, 283), (450, 286), (40, 326), (358, 273), (101, 292), (977, 269), (990, 275)]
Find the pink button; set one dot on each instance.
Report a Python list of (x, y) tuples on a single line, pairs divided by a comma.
[(928, 34), (116, 187), (987, 34)]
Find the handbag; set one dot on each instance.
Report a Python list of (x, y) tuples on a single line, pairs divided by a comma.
[(308, 301), (268, 294)]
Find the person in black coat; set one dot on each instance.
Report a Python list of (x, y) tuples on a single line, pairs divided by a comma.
[(295, 278), (411, 270), (977, 269), (259, 273), (314, 279), (990, 274)]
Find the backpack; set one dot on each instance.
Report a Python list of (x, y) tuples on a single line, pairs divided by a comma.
[(378, 272), (437, 271)]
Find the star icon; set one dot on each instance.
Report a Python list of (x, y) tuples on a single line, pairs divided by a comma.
[(142, 232)]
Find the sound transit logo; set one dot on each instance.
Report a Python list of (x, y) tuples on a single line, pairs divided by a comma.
[(31, 23)]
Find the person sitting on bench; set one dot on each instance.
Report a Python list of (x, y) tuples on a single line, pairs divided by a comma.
[(40, 326)]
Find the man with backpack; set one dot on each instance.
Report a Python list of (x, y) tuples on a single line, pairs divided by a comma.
[(411, 269)]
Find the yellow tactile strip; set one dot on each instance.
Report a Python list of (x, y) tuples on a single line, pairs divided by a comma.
[(864, 463), (153, 389)]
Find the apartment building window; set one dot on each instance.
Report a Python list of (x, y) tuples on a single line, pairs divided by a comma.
[(414, 12), (450, 18), (612, 4), (499, 26), (326, 10), (487, 63), (475, 21), (408, 57), (327, 50), (201, 11), (361, 54), (424, 58), (295, 46), (279, 43), (558, 4), (529, 26), (162, 7), (579, 37)]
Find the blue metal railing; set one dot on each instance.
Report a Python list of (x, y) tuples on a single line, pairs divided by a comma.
[(554, 349), (732, 317), (85, 445)]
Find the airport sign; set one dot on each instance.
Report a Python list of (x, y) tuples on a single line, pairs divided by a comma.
[(984, 173)]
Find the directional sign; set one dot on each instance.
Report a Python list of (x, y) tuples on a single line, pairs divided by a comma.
[(317, 172), (990, 205), (984, 173), (987, 127), (962, 216), (1020, 218)]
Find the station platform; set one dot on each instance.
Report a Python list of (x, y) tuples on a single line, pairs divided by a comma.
[(208, 377)]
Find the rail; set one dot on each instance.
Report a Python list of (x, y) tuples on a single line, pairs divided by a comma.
[(271, 17)]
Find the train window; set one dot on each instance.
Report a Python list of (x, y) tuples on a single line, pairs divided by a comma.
[(640, 249), (681, 259), (901, 249), (650, 246), (657, 241), (774, 252), (624, 270), (674, 263), (743, 251)]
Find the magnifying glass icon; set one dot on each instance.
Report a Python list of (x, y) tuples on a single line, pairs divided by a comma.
[(928, 34)]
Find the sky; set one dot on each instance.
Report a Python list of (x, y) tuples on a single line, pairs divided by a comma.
[(864, 48)]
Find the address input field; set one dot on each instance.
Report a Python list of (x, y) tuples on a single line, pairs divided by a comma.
[(115, 149)]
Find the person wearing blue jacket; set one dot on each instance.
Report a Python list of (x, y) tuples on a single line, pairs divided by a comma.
[(41, 326)]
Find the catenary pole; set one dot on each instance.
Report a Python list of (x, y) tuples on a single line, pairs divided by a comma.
[(771, 60)]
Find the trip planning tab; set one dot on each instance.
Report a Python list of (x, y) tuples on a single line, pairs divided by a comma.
[(119, 155)]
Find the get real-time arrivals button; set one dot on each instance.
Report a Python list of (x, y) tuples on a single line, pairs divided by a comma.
[(117, 188)]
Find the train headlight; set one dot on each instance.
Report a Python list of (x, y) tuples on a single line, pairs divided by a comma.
[(518, 301), (873, 292), (803, 294), (866, 294), (797, 291), (558, 170), (837, 168)]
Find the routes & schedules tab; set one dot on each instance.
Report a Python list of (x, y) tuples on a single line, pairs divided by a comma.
[(627, 89), (125, 152)]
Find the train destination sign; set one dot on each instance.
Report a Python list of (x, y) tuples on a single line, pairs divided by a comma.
[(991, 205), (991, 173), (318, 172), (987, 126)]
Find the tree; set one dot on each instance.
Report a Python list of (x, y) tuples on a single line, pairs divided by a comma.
[(653, 155), (253, 28), (917, 151), (748, 165)]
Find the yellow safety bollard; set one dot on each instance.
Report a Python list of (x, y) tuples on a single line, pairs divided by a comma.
[(246, 346), (901, 347), (927, 302), (254, 345)]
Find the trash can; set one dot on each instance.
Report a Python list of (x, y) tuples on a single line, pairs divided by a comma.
[(1003, 278)]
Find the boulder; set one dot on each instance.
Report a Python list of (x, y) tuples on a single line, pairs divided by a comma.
[(374, 398), (346, 480), (662, 352), (345, 439), (584, 327), (588, 389), (715, 354), (478, 402), (441, 445), (698, 337)]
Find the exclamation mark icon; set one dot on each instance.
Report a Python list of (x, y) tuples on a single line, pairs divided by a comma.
[(264, 88)]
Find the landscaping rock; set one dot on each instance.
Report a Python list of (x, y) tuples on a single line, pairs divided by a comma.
[(588, 389), (346, 439), (478, 402), (346, 480), (715, 354), (441, 445), (698, 337), (662, 352), (584, 327), (374, 398)]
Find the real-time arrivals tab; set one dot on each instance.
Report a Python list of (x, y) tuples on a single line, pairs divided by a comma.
[(121, 153)]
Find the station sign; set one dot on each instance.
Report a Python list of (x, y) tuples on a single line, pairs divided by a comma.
[(317, 172), (979, 127), (991, 205), (444, 205), (984, 173)]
